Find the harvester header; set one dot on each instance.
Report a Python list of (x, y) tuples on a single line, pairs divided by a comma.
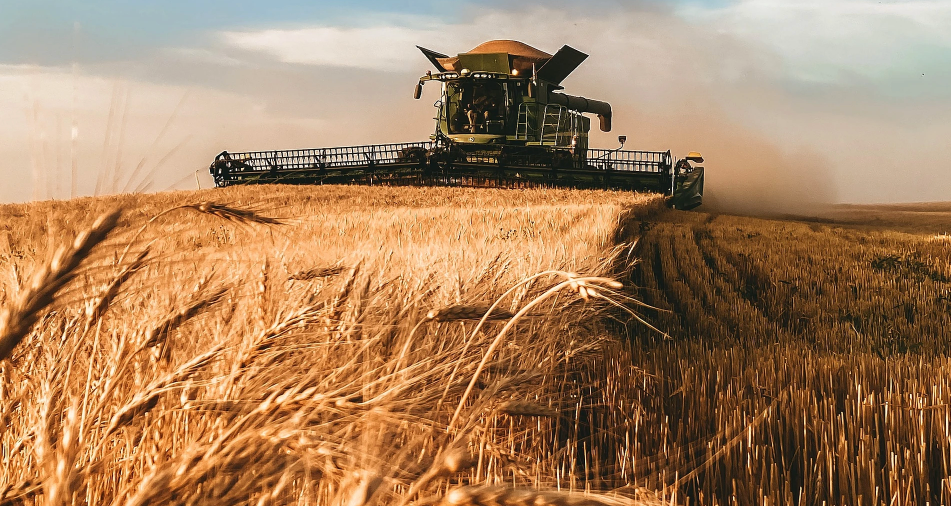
[(501, 120)]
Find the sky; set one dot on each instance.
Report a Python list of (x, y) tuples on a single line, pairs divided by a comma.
[(792, 102)]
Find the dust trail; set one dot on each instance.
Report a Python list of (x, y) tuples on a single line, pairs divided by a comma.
[(746, 172)]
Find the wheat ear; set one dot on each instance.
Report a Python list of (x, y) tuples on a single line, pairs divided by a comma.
[(17, 320), (317, 272), (158, 336), (585, 286), (146, 399), (241, 216), (98, 308)]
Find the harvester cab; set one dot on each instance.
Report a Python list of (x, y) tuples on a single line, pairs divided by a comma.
[(502, 120), (506, 92)]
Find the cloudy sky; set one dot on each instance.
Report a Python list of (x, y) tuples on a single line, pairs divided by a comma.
[(791, 101)]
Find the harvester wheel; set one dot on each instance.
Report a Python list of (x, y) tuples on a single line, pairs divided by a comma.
[(220, 171), (413, 154), (561, 160)]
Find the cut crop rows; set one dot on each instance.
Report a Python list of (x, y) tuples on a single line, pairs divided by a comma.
[(809, 362)]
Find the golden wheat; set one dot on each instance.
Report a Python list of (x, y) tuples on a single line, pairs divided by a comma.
[(18, 318), (326, 386)]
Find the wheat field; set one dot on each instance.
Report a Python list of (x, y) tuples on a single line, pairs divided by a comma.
[(351, 346), (322, 345)]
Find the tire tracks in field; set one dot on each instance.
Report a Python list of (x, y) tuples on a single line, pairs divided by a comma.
[(742, 277), (666, 284), (709, 291)]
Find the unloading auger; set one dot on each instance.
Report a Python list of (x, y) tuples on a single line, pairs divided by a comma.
[(502, 121)]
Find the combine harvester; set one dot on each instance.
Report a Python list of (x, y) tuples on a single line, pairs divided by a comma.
[(501, 121)]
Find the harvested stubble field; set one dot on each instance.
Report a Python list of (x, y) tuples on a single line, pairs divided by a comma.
[(818, 347), (197, 354)]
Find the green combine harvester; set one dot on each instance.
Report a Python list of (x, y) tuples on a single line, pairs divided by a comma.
[(502, 121)]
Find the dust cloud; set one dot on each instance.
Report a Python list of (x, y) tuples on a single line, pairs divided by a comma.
[(773, 144), (745, 171), (686, 88)]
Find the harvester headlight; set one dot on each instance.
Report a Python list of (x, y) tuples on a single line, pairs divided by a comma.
[(514, 72), (464, 72)]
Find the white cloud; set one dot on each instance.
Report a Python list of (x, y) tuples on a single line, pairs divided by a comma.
[(834, 40), (202, 55), (391, 45), (894, 48), (379, 48)]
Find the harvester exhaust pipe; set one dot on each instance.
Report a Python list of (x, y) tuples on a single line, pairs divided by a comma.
[(602, 109)]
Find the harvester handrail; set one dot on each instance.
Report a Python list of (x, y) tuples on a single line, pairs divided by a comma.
[(634, 161), (326, 158)]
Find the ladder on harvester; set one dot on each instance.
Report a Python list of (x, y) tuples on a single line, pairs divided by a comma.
[(551, 126), (525, 126)]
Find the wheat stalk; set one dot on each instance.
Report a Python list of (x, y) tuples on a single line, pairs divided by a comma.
[(584, 286), (96, 310), (17, 320), (158, 336), (467, 312), (317, 272), (503, 496), (145, 400), (243, 216)]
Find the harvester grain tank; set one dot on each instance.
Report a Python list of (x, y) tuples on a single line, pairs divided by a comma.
[(502, 120)]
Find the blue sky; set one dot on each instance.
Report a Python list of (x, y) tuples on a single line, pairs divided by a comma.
[(861, 88), (41, 31)]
